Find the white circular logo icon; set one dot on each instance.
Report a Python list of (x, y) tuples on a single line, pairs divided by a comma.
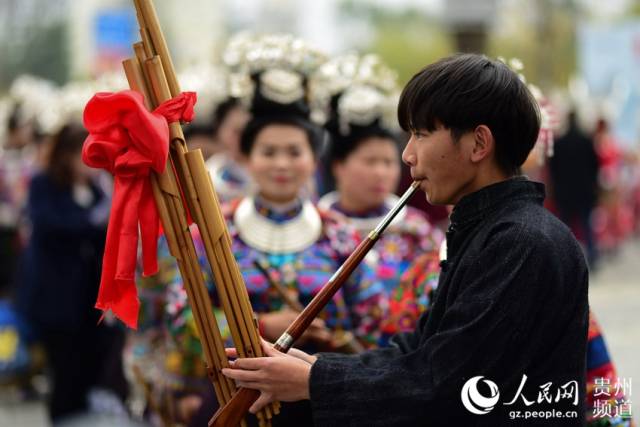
[(475, 402)]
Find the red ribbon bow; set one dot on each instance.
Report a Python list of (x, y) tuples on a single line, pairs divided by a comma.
[(129, 141)]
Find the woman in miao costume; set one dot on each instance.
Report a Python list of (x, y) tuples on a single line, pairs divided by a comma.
[(278, 234), (359, 97)]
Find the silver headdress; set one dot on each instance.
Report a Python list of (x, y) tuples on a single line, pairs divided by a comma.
[(277, 65), (50, 107), (38, 99), (213, 84), (367, 91)]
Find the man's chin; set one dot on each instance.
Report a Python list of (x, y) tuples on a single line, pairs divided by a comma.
[(429, 198), (434, 201)]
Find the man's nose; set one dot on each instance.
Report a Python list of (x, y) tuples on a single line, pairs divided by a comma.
[(408, 155)]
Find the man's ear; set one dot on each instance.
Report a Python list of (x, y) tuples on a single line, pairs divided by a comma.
[(484, 144)]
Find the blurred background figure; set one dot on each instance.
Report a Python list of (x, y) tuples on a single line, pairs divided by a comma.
[(574, 171), (20, 357), (364, 161), (219, 121), (228, 167), (58, 281), (613, 218), (17, 163)]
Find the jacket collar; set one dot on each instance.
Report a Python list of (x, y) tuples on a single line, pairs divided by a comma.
[(475, 206)]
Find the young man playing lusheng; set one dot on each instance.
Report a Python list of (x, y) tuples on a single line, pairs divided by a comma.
[(511, 305)]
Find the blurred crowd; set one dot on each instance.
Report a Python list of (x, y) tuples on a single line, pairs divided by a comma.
[(324, 183)]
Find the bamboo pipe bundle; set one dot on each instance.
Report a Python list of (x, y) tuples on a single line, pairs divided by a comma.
[(151, 73), (174, 223)]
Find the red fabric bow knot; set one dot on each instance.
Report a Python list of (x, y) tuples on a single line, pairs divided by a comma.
[(129, 141)]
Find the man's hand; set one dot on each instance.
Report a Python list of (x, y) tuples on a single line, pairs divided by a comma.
[(280, 376)]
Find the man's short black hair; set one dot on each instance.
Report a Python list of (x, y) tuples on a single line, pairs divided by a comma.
[(464, 91)]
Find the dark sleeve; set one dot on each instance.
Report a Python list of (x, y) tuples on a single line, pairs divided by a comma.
[(403, 385)]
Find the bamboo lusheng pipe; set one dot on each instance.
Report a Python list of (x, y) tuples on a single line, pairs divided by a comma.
[(198, 298), (148, 20), (162, 82), (341, 341), (212, 232), (181, 246), (214, 354), (232, 293), (245, 397)]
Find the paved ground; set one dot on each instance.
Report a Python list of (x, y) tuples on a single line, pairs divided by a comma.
[(614, 297)]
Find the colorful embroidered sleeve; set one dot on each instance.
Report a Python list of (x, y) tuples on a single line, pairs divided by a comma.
[(428, 237), (410, 273), (412, 297)]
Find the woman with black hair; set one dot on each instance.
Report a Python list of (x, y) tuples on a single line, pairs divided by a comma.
[(277, 233), (364, 157), (228, 167)]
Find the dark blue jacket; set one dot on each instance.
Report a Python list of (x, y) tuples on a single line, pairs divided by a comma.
[(60, 270)]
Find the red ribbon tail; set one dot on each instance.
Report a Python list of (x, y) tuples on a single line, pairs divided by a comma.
[(117, 286), (149, 230), (121, 298)]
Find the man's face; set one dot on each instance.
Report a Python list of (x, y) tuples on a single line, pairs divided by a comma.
[(441, 164)]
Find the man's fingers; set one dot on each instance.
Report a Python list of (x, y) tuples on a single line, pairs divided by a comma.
[(301, 355), (297, 353), (250, 363), (250, 384), (242, 375), (269, 350), (262, 401), (231, 352), (265, 343)]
